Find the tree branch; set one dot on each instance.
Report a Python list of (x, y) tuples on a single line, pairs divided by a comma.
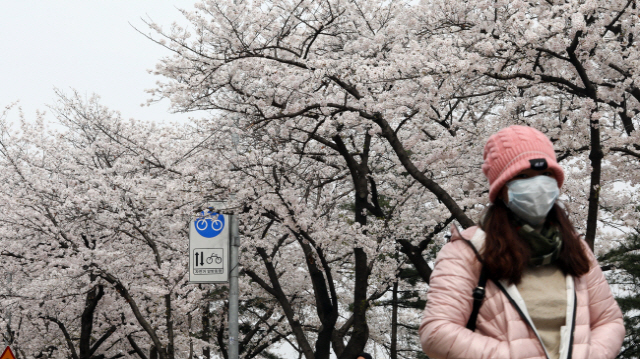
[(67, 337)]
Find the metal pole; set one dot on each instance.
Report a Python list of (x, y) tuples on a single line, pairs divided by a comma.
[(233, 289)]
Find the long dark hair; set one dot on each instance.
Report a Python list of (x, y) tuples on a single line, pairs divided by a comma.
[(506, 254)]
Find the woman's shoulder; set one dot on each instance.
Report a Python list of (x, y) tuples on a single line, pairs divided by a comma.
[(465, 245), (473, 235), (459, 259)]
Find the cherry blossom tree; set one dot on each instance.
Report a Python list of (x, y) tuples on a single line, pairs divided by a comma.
[(350, 134), (94, 227), (97, 210), (571, 68), (317, 108), (420, 85)]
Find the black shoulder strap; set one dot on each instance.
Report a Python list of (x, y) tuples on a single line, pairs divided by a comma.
[(478, 292), (478, 297)]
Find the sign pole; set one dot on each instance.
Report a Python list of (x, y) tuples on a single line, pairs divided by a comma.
[(233, 289)]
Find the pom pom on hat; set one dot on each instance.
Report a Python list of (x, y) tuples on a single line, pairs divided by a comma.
[(513, 149)]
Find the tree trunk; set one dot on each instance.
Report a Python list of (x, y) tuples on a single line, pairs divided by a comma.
[(168, 311), (360, 332), (393, 351), (359, 174), (93, 297), (595, 156), (206, 330)]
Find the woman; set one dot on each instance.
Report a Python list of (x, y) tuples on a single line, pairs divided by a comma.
[(546, 296)]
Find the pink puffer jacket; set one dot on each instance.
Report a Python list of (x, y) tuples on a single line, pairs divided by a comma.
[(503, 329)]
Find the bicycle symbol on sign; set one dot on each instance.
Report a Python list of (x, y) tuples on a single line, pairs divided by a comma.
[(210, 224), (210, 259), (203, 223)]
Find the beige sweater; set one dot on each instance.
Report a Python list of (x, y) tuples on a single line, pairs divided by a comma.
[(545, 295)]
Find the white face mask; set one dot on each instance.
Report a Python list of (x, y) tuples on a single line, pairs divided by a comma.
[(531, 199)]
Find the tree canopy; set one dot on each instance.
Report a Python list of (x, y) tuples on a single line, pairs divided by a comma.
[(350, 134)]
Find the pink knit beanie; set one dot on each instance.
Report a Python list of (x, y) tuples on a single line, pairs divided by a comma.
[(514, 149)]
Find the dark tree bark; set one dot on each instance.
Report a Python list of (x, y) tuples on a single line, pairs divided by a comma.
[(359, 174), (206, 330), (360, 332), (86, 322), (221, 342), (595, 156), (596, 153), (276, 290), (124, 293), (168, 310), (136, 348), (393, 351), (389, 134)]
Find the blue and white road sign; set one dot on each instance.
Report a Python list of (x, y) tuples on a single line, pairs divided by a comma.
[(209, 235), (209, 224)]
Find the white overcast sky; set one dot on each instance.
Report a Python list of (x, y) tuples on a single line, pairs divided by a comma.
[(87, 45)]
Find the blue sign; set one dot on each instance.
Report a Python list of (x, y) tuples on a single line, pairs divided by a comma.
[(210, 224)]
